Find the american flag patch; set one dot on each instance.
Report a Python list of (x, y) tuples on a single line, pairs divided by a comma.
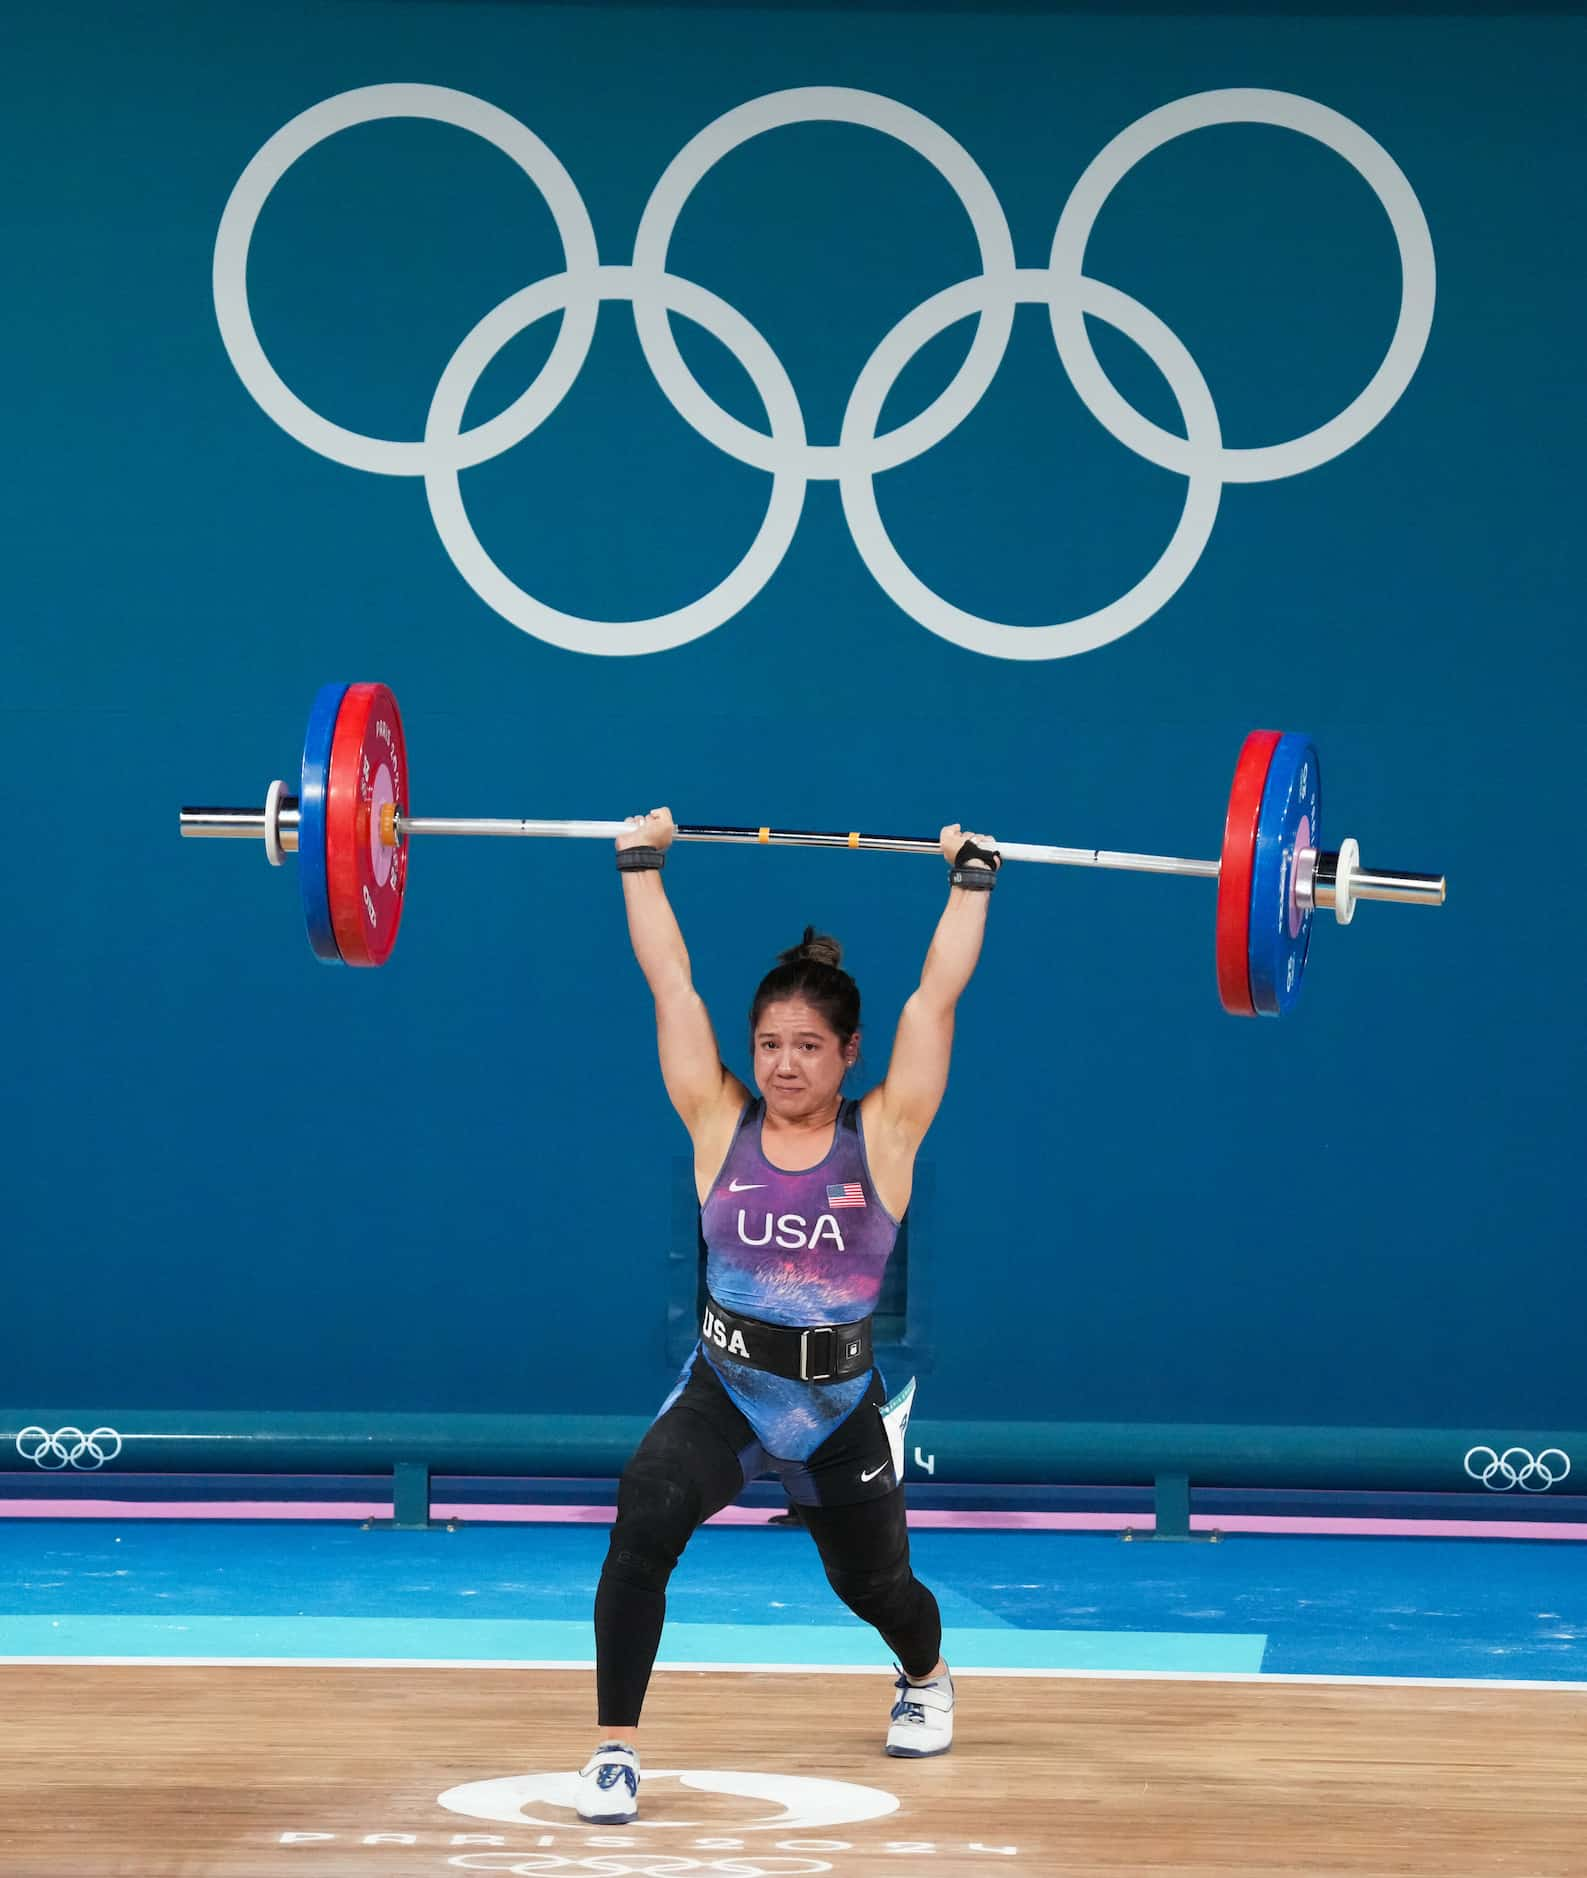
[(851, 1193)]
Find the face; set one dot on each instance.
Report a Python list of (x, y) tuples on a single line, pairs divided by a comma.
[(799, 1063)]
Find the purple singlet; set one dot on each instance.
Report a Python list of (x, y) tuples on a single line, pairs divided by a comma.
[(794, 1248)]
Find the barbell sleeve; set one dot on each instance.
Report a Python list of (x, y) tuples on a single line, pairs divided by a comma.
[(1403, 889), (224, 824), (205, 824)]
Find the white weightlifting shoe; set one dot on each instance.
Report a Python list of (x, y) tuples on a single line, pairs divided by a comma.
[(922, 1720), (608, 1793)]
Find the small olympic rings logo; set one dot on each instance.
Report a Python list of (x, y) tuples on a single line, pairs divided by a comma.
[(1518, 1467), (68, 1447), (864, 449)]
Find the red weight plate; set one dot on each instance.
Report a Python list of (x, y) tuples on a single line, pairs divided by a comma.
[(369, 768), (1234, 873)]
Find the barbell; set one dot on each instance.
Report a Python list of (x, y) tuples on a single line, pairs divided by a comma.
[(349, 827)]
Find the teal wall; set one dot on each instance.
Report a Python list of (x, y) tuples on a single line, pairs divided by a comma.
[(235, 1178)]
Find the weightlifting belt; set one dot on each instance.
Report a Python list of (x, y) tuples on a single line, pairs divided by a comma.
[(802, 1353)]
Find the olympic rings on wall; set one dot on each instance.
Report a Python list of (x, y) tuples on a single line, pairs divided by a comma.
[(862, 452), (68, 1447), (1517, 1467)]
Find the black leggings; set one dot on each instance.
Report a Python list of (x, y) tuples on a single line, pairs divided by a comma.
[(686, 1469)]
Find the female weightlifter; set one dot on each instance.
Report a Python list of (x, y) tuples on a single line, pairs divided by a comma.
[(801, 1191)]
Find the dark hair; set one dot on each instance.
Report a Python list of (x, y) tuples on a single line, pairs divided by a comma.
[(811, 970)]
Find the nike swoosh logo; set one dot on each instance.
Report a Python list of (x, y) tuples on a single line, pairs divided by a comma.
[(873, 1473), (744, 1186)]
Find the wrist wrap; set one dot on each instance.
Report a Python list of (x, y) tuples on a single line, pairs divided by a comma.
[(972, 879)]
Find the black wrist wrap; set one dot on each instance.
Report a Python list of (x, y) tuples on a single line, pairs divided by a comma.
[(975, 879), (639, 860), (972, 879)]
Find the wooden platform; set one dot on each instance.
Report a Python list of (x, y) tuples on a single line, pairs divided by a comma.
[(149, 1771)]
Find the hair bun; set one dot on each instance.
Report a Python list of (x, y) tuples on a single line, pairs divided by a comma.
[(818, 948)]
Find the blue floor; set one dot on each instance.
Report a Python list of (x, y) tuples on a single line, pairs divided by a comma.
[(1514, 1610)]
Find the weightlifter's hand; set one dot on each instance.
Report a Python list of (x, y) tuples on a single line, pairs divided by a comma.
[(654, 830), (954, 838)]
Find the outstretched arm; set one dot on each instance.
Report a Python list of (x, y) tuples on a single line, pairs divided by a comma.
[(698, 1085), (906, 1103)]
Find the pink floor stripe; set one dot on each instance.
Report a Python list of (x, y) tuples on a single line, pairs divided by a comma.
[(194, 1509), (1399, 1528), (923, 1521)]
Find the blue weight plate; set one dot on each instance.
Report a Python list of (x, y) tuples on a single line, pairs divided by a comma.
[(312, 877), (1290, 820)]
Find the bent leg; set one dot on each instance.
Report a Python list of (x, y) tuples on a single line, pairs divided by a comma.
[(687, 1467), (864, 1549)]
